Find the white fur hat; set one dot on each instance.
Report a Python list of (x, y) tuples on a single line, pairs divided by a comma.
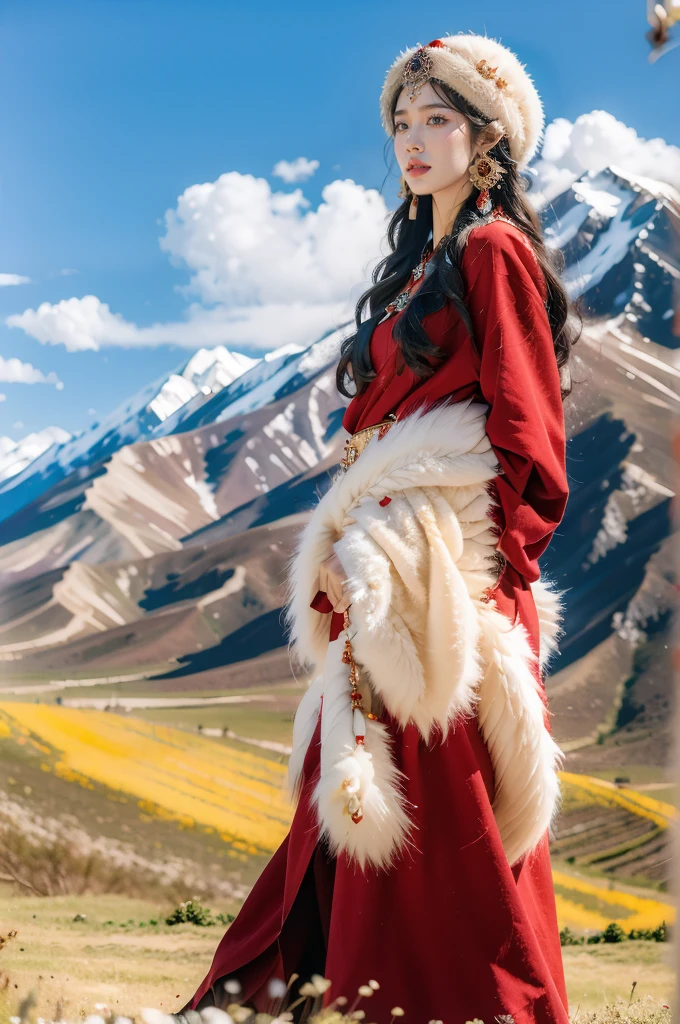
[(487, 74)]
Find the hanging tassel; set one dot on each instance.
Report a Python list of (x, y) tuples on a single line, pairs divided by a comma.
[(359, 797), (351, 785), (483, 201)]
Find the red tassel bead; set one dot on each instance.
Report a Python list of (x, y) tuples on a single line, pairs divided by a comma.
[(482, 198)]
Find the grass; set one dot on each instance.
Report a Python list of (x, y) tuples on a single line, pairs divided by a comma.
[(79, 964), (262, 722), (600, 974), (128, 965)]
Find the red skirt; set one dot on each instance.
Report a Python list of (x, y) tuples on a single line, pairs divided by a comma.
[(450, 933)]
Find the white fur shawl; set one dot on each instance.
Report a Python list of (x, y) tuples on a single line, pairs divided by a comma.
[(423, 635)]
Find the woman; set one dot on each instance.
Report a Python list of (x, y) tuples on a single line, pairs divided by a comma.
[(423, 764)]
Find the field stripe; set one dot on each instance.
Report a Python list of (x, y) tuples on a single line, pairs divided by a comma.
[(662, 814), (643, 911), (192, 779)]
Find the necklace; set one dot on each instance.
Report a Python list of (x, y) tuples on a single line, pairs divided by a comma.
[(401, 301)]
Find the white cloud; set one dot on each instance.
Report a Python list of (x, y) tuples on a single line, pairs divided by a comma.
[(75, 323), (88, 323), (245, 244), (13, 371), (6, 280), (3, 398), (591, 143), (295, 170), (266, 268)]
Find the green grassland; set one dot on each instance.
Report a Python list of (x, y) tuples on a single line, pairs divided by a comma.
[(115, 956)]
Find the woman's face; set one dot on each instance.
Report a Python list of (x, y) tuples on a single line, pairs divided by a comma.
[(432, 142)]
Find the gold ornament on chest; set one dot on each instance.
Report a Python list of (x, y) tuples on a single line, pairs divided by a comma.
[(355, 444)]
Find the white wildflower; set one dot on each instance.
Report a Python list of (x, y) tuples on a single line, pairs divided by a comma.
[(316, 987), (276, 988), (238, 1013), (213, 1015), (152, 1016)]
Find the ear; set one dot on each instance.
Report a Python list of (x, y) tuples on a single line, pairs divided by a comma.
[(492, 133)]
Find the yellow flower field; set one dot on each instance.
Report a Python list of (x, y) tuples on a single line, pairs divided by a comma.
[(196, 781), (591, 904), (173, 773), (660, 813)]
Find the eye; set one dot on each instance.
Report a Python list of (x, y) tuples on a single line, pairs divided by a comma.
[(440, 118), (398, 125)]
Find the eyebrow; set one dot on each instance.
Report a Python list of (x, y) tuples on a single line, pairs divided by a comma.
[(427, 106)]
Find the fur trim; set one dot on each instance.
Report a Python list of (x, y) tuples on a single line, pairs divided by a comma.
[(367, 771), (304, 724), (549, 603), (424, 636), (517, 105), (512, 720), (445, 446), (425, 666)]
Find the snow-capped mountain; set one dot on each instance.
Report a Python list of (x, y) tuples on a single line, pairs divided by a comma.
[(142, 416), (211, 369), (168, 527), (621, 241), (15, 456), (208, 371)]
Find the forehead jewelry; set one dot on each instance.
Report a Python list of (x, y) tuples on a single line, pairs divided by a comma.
[(418, 69)]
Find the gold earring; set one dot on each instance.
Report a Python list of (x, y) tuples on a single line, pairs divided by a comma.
[(406, 193), (485, 172), (404, 189)]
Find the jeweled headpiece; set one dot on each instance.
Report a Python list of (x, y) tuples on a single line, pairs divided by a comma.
[(418, 69), (486, 73)]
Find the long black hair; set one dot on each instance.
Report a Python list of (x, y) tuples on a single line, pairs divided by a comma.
[(407, 239)]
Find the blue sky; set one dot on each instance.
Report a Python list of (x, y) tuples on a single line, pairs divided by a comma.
[(113, 108)]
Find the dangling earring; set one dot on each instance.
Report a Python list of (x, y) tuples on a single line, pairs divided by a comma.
[(406, 193), (485, 172)]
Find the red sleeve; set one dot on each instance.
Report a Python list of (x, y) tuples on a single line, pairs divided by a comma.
[(520, 381)]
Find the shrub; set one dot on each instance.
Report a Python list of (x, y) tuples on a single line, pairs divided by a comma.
[(567, 938), (191, 912), (613, 933)]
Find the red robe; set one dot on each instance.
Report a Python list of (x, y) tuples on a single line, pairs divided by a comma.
[(450, 932)]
